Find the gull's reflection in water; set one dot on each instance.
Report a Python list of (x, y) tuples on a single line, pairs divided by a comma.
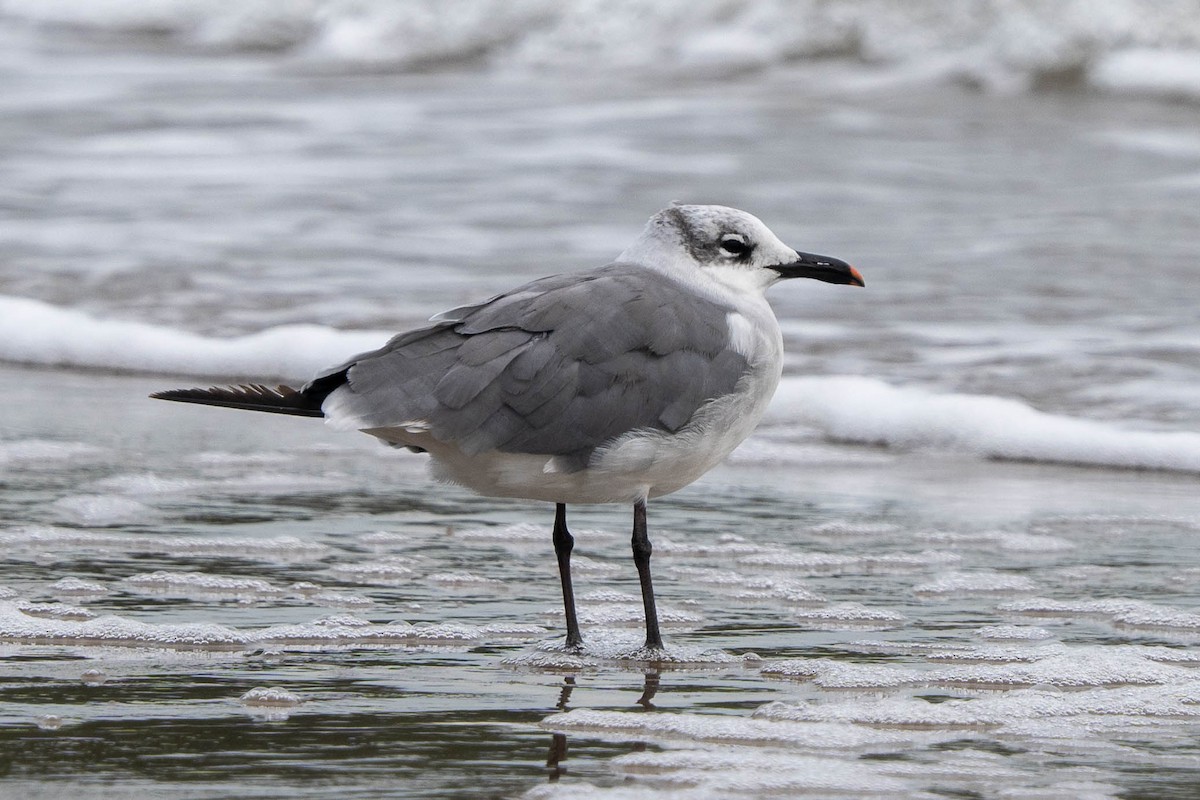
[(558, 754), (564, 697), (649, 689), (558, 741)]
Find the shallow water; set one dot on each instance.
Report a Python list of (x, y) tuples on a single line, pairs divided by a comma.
[(851, 620), (902, 579)]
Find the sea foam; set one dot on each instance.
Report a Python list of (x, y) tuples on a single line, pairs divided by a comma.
[(33, 332), (869, 411)]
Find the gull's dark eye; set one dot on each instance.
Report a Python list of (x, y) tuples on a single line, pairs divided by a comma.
[(734, 244)]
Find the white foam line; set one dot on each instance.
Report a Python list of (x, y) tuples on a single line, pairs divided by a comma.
[(33, 332), (1149, 71), (868, 411)]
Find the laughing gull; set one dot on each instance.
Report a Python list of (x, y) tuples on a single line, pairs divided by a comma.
[(613, 385)]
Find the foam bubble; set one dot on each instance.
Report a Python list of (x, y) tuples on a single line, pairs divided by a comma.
[(270, 703), (666, 546), (449, 632), (391, 572), (1014, 632), (461, 579), (200, 584), (520, 533), (838, 674), (511, 630), (75, 587), (339, 600), (270, 697), (769, 589), (93, 677), (748, 588), (998, 540), (592, 566), (267, 548), (1119, 612), (854, 616), (339, 630), (1074, 668), (839, 529), (344, 629), (349, 621), (1006, 709), (1048, 666), (1166, 655), (609, 596), (16, 626), (54, 611), (815, 563), (997, 654), (527, 534), (957, 584), (609, 614), (41, 539)]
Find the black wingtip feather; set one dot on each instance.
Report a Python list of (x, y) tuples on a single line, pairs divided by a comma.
[(251, 397)]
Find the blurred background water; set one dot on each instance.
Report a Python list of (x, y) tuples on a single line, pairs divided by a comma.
[(218, 191)]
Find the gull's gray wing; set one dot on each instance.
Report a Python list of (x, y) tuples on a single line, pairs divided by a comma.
[(556, 367)]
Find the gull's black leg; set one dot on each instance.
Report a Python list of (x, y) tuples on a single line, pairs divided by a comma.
[(564, 542), (641, 558)]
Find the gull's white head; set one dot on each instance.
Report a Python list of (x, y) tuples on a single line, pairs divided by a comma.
[(731, 245)]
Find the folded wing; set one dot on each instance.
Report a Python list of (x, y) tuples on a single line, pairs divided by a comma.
[(556, 367)]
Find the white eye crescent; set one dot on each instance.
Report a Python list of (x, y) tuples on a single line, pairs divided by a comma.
[(735, 245)]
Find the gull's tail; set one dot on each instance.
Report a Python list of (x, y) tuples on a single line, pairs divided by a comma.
[(252, 397)]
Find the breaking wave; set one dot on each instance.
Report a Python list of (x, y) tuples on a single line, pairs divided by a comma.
[(1135, 46), (868, 411)]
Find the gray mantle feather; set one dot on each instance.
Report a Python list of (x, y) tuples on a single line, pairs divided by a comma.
[(556, 367)]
